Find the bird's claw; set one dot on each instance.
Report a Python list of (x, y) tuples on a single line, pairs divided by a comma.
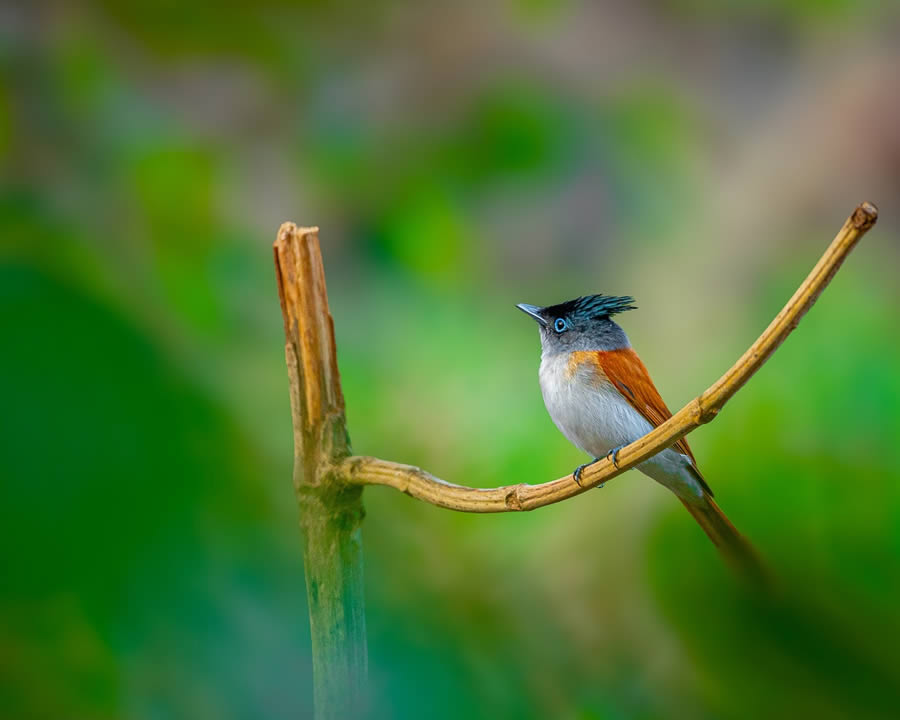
[(611, 455), (576, 474), (614, 455)]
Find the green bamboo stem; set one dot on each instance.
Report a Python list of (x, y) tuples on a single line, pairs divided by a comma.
[(330, 510)]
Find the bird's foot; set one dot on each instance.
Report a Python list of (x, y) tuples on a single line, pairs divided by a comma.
[(576, 475), (614, 454)]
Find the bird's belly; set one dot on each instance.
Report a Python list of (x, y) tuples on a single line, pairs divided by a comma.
[(596, 418), (593, 416)]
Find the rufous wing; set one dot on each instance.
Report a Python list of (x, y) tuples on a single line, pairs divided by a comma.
[(625, 371)]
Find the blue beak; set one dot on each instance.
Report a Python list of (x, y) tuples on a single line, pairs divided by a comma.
[(534, 311)]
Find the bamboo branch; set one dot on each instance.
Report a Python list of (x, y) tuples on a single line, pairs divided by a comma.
[(421, 485), (330, 510)]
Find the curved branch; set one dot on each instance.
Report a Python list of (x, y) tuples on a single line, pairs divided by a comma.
[(422, 485)]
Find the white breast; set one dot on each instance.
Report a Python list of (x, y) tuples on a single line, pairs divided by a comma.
[(596, 418)]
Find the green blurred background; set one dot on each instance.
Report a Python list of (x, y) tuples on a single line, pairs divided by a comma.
[(459, 158)]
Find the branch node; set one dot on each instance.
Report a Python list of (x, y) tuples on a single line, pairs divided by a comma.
[(512, 499), (865, 216), (702, 411)]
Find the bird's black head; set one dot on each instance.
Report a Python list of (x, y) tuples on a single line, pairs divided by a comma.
[(581, 324)]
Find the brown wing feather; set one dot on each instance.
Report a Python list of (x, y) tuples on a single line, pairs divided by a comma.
[(628, 375)]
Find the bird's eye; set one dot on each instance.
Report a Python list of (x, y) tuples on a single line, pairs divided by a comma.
[(559, 325)]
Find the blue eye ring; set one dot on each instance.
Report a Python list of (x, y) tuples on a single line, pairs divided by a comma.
[(560, 325)]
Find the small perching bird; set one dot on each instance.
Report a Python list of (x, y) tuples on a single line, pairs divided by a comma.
[(601, 397)]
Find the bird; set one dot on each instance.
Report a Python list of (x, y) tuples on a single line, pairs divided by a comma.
[(599, 394)]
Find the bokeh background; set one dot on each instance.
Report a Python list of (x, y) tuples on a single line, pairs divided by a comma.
[(459, 158)]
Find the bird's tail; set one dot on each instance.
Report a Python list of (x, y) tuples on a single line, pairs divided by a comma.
[(734, 547)]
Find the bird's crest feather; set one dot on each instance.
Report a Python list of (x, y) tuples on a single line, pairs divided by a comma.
[(589, 307)]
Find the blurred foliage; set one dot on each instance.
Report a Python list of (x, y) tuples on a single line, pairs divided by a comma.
[(459, 159)]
